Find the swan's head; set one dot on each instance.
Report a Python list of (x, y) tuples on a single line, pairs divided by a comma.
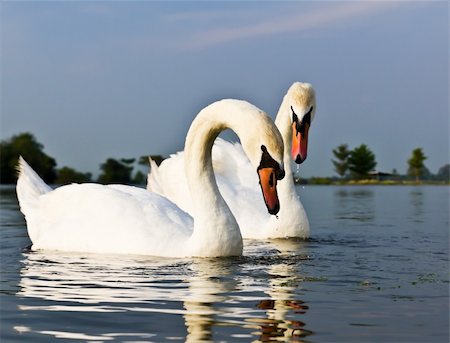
[(301, 100), (269, 171), (263, 144)]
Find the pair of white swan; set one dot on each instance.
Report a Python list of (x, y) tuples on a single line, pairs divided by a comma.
[(126, 219), (237, 180)]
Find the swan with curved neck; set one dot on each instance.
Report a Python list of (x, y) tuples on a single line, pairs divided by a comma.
[(125, 219), (235, 174)]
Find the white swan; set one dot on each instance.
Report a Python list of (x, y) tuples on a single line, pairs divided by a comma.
[(125, 219), (235, 175)]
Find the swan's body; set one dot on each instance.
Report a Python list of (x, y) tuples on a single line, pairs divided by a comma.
[(125, 219), (237, 182)]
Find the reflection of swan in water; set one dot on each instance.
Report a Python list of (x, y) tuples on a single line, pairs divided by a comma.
[(214, 283), (282, 305), (111, 284), (212, 296), (208, 287), (90, 279), (104, 285)]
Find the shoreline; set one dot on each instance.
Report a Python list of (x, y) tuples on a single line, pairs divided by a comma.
[(330, 182)]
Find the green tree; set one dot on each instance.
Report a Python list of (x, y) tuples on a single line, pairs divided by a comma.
[(361, 161), (114, 171), (128, 161), (416, 167), (68, 175), (26, 145), (341, 153)]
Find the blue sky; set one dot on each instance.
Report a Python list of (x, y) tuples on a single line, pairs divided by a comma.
[(94, 80)]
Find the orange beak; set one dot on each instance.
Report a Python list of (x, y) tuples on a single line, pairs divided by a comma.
[(268, 182), (299, 143)]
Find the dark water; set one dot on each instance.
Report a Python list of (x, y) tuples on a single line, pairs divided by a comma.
[(375, 270)]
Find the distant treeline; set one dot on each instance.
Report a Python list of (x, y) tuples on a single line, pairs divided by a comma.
[(26, 145), (351, 166), (358, 166)]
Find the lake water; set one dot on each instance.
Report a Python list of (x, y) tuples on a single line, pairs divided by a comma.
[(375, 270)]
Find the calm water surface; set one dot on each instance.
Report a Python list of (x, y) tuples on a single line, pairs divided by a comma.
[(375, 269)]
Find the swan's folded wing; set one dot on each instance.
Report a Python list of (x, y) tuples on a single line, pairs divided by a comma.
[(231, 162), (110, 219), (167, 218)]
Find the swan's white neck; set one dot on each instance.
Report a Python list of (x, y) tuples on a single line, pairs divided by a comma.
[(216, 232), (283, 123)]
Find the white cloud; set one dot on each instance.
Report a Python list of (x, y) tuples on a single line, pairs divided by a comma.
[(324, 16)]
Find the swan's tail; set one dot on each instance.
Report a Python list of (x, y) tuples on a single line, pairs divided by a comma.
[(29, 187), (153, 177)]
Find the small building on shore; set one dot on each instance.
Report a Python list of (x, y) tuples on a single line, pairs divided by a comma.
[(381, 176)]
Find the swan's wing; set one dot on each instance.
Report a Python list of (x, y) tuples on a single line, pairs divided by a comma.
[(169, 180), (231, 162), (110, 219), (160, 210)]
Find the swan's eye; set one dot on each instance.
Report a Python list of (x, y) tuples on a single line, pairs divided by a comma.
[(280, 174), (294, 116), (268, 162)]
